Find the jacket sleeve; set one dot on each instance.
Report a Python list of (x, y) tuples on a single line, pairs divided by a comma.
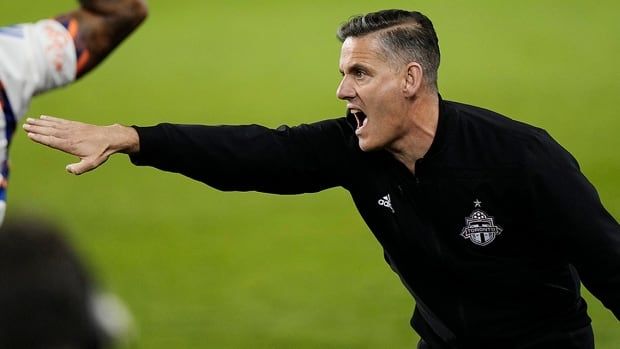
[(584, 230), (286, 160)]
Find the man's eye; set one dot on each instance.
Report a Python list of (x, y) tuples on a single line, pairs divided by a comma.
[(359, 74)]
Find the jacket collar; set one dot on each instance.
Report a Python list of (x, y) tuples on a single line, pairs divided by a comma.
[(445, 126)]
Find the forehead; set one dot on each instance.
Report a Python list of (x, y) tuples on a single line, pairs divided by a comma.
[(361, 50)]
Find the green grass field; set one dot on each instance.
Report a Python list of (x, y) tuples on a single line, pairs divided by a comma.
[(205, 269)]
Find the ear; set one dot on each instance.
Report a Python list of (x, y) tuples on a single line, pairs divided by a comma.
[(413, 79)]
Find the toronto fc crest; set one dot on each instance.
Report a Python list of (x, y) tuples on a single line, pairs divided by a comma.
[(479, 227)]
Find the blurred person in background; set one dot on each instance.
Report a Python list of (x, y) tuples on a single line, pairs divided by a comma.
[(48, 300), (488, 222), (37, 57)]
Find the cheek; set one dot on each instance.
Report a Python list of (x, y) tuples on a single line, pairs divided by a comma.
[(379, 99), (387, 94), (388, 111), (387, 104)]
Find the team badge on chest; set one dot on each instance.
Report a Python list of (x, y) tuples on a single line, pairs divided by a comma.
[(479, 227)]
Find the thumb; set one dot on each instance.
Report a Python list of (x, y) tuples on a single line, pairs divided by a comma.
[(86, 164), (78, 168)]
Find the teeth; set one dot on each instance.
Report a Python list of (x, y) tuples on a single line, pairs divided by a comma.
[(360, 118), (360, 126)]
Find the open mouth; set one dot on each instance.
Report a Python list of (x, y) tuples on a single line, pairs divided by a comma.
[(360, 117)]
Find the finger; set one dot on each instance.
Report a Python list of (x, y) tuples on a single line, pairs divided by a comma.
[(54, 119), (42, 130), (41, 122), (74, 168), (84, 166), (50, 141), (78, 168)]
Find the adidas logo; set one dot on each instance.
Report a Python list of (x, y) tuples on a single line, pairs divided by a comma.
[(386, 202)]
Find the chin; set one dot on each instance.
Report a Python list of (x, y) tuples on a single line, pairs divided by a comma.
[(365, 146)]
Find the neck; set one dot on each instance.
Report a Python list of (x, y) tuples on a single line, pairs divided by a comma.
[(420, 129)]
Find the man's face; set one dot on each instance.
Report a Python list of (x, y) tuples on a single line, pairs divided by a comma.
[(374, 91)]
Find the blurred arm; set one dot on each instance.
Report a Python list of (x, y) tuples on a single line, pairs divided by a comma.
[(38, 57), (99, 26)]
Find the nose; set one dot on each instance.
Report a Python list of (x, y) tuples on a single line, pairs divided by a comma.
[(345, 90)]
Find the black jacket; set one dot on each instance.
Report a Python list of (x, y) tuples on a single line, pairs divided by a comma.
[(488, 235)]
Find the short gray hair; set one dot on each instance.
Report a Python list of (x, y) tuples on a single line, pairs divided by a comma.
[(405, 36)]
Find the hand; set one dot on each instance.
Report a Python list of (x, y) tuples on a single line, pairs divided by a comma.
[(92, 144)]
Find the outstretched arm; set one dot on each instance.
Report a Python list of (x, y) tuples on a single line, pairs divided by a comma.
[(98, 26), (92, 144), (287, 160)]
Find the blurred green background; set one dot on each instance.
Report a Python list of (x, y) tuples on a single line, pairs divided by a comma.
[(204, 269)]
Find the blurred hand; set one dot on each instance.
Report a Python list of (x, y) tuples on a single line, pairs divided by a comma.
[(91, 143)]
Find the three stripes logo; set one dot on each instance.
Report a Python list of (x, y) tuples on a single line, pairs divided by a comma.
[(386, 202)]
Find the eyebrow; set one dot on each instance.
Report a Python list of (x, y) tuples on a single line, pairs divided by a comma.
[(356, 66)]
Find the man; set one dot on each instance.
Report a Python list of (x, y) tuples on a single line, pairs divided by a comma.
[(47, 297), (454, 193), (51, 53)]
